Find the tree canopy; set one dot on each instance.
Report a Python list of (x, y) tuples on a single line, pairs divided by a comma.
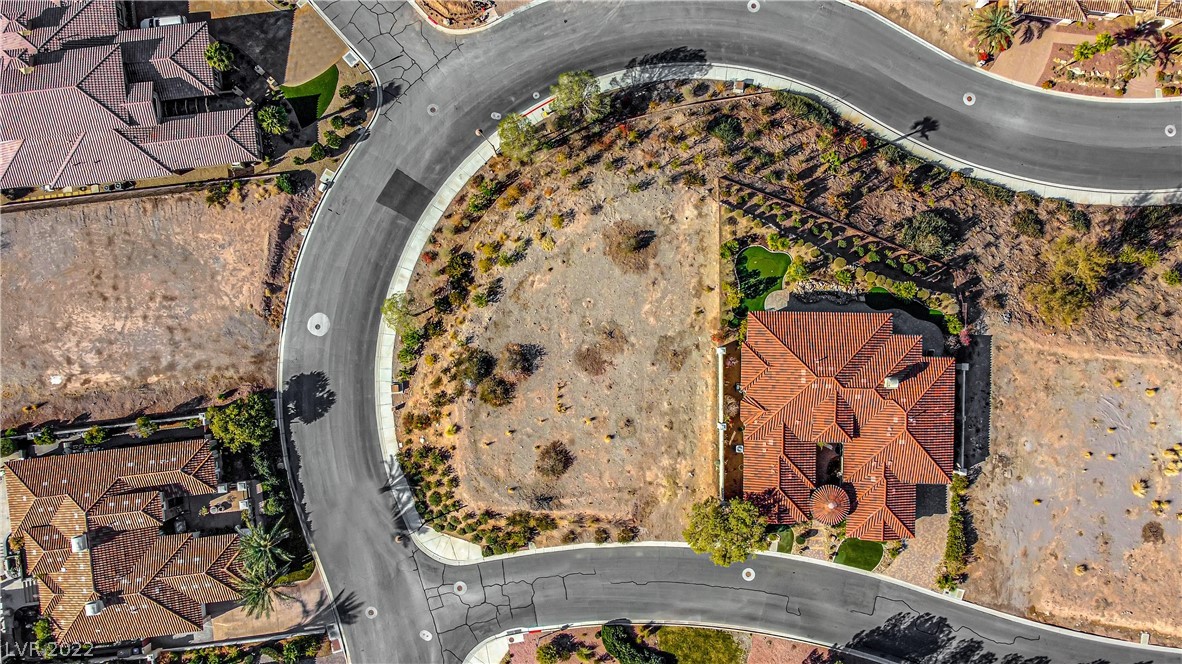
[(244, 423), (577, 95), (519, 137), (728, 531)]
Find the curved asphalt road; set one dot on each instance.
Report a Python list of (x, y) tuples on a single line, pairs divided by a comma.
[(347, 263)]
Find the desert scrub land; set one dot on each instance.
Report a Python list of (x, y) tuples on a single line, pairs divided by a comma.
[(143, 305), (558, 338)]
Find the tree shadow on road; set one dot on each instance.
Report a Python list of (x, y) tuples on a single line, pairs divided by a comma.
[(308, 397)]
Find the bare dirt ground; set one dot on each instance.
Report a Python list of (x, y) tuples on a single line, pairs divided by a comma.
[(626, 377), (1074, 430), (942, 23), (142, 304)]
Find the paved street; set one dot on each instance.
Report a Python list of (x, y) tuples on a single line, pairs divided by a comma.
[(349, 257)]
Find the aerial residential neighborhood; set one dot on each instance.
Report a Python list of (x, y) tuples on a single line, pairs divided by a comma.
[(511, 331)]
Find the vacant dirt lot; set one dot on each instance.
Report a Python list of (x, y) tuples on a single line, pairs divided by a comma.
[(1074, 431), (141, 304), (625, 376), (943, 23)]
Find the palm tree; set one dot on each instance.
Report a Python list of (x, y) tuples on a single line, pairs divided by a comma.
[(261, 550), (1138, 58), (258, 594), (994, 27)]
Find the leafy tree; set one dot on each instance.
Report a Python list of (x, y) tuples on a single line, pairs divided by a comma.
[(618, 642), (519, 137), (95, 435), (1136, 59), (396, 311), (728, 531), (145, 426), (43, 632), (242, 424), (219, 56), (577, 96), (929, 233), (332, 140), (1104, 42), (797, 271), (285, 183), (316, 152), (338, 123), (273, 119), (994, 27), (44, 437), (261, 550)]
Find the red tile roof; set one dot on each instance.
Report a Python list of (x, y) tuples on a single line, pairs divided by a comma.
[(812, 379), (830, 504), (150, 584), (172, 57), (1078, 10)]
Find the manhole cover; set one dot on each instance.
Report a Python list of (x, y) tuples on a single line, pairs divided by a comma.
[(371, 613), (753, 6), (748, 574), (494, 115), (969, 99), (1171, 131), (425, 635), (432, 110), (460, 587), (537, 95), (318, 325)]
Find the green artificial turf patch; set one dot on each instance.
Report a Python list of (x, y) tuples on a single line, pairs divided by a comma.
[(693, 645), (859, 553), (311, 99)]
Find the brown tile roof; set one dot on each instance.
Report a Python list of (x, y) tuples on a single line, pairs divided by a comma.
[(830, 504), (172, 57), (54, 23), (812, 379), (85, 115), (1078, 10), (150, 584)]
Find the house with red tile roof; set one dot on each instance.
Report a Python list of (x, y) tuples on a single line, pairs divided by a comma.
[(1067, 11), (844, 381), (94, 537), (83, 99)]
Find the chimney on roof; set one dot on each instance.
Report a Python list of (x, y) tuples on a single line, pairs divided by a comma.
[(78, 543), (891, 382), (94, 608)]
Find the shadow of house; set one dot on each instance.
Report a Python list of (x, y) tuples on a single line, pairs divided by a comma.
[(264, 38)]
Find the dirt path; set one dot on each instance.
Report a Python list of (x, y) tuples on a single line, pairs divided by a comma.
[(143, 304)]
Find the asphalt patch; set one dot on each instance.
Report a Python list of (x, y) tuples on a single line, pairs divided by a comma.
[(405, 195)]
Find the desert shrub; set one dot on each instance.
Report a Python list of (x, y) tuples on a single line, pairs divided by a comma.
[(995, 193), (475, 366), (1172, 277), (316, 152), (629, 246), (554, 459), (1079, 220), (805, 108), (726, 128), (627, 534), (929, 233), (496, 391), (1028, 223), (1075, 272), (520, 359), (601, 536)]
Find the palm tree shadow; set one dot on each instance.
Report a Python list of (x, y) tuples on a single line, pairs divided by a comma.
[(308, 397)]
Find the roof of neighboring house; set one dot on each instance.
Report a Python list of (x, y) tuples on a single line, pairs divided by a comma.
[(87, 114), (51, 24), (1078, 10), (172, 57), (150, 584), (816, 378)]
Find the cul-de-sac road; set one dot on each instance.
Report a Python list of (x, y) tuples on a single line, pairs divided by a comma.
[(387, 592)]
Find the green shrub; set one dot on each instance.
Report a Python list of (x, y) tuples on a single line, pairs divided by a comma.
[(726, 128), (9, 443), (929, 233), (1172, 277), (1028, 223), (619, 643), (145, 426), (995, 193), (844, 277), (337, 122), (332, 140), (243, 424), (95, 435), (796, 271), (317, 152), (285, 183), (805, 108)]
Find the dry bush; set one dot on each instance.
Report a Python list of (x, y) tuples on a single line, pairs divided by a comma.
[(594, 359), (554, 459), (1153, 533), (629, 246)]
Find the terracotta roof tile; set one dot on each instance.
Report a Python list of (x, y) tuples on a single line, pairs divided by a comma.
[(814, 379)]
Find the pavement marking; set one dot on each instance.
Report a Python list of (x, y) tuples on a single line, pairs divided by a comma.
[(318, 324), (1171, 130), (371, 613), (753, 6), (748, 574), (432, 110), (460, 587), (494, 115), (425, 635), (969, 99)]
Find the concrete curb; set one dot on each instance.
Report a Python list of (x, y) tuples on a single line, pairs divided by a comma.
[(471, 31)]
